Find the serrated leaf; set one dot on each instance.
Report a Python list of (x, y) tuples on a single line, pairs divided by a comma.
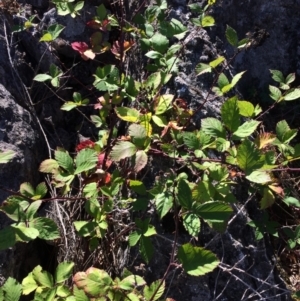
[(197, 261), (275, 93), (25, 234), (223, 81), (191, 140), (43, 278), (163, 203), (127, 114), (290, 78), (85, 160), (202, 68), (6, 156), (213, 127), (192, 224), (68, 106), (63, 271), (134, 237), (231, 36), (64, 160), (153, 54), (55, 30), (248, 157), (284, 133), (267, 200), (63, 291), (131, 282), (246, 108), (154, 291), (153, 82), (295, 94), (140, 161), (230, 114), (184, 194), (122, 150), (259, 177), (12, 289), (41, 190), (245, 130), (48, 166), (203, 192), (138, 134), (146, 249), (214, 211), (29, 284), (46, 227), (138, 187), (27, 190), (277, 76), (80, 294), (32, 209), (85, 228), (94, 281), (163, 103), (264, 139)]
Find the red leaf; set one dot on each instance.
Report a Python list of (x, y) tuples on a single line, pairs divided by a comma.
[(85, 144), (81, 47), (101, 159)]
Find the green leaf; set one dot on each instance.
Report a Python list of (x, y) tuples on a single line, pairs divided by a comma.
[(230, 114), (80, 295), (202, 68), (294, 94), (138, 187), (47, 37), (12, 289), (155, 291), (191, 140), (41, 190), (284, 133), (163, 103), (27, 190), (248, 157), (259, 177), (7, 238), (275, 93), (223, 81), (85, 228), (94, 281), (246, 108), (46, 227), (68, 106), (153, 54), (214, 211), (153, 82), (197, 261), (63, 271), (159, 121), (207, 21), (146, 249), (25, 234), (290, 78), (48, 166), (6, 156), (63, 291), (236, 78), (163, 203), (184, 194), (42, 77), (159, 42), (131, 282), (29, 284), (291, 201), (215, 63), (277, 76), (64, 160), (55, 30), (192, 224), (43, 278), (213, 127), (32, 210), (85, 160), (134, 237), (203, 192), (231, 36), (245, 130), (127, 114), (107, 78), (122, 150), (267, 200), (138, 134)]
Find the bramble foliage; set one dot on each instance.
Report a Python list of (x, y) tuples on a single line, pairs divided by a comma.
[(215, 157)]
